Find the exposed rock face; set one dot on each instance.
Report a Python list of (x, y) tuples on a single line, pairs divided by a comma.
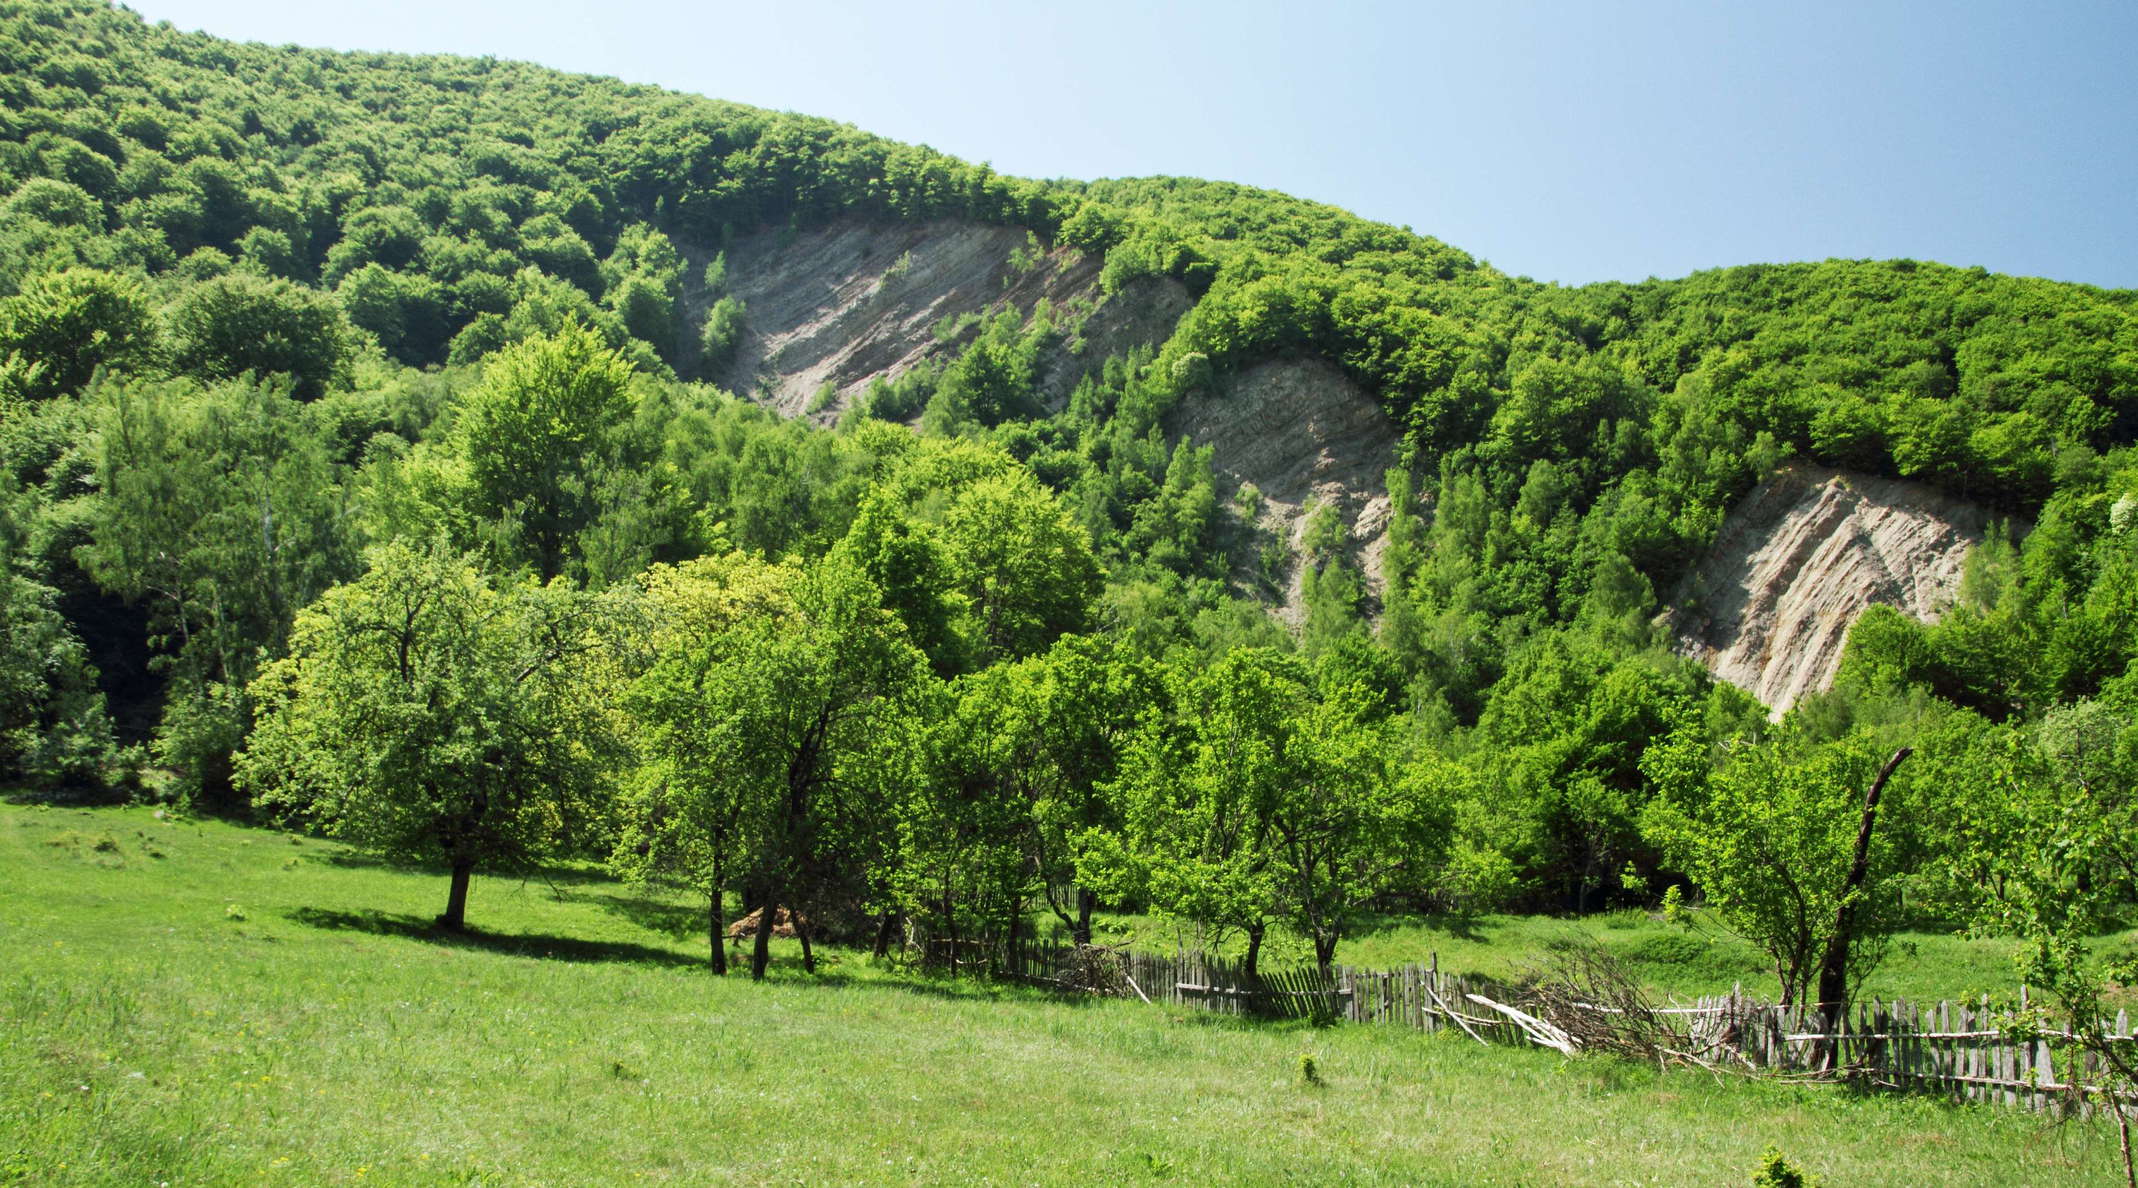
[(861, 299), (1140, 313), (1800, 558), (1301, 431)]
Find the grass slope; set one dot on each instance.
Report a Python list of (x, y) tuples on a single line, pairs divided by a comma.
[(196, 1003)]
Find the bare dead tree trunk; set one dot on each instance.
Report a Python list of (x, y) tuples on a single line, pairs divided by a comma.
[(1833, 969)]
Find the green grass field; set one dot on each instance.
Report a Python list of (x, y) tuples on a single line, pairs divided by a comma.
[(190, 1002)]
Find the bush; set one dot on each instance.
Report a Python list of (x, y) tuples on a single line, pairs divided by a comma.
[(721, 334), (1776, 1172)]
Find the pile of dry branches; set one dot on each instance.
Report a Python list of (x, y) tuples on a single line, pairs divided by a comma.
[(1096, 969), (1581, 995)]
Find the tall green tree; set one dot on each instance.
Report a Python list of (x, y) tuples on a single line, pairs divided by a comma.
[(1771, 837), (684, 817), (2041, 843), (1026, 571), (1348, 830), (220, 509), (54, 730), (1064, 728), (1265, 804), (964, 871), (231, 325), (789, 720), (1025, 758), (981, 562), (64, 325), (430, 716), (534, 435)]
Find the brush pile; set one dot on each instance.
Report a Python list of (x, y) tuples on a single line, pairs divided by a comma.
[(1583, 997), (1094, 969)]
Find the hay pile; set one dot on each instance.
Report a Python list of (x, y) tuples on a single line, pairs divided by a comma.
[(782, 925)]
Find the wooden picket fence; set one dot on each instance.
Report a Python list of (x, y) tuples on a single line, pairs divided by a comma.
[(1956, 1049)]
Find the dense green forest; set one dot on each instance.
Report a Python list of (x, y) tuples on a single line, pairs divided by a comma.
[(357, 467)]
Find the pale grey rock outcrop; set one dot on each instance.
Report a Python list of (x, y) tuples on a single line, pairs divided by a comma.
[(1800, 558), (1301, 432), (861, 299)]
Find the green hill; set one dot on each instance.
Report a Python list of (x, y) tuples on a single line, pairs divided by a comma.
[(276, 319)]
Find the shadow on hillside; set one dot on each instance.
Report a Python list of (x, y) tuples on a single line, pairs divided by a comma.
[(676, 922), (787, 969), (557, 875), (1456, 927), (518, 944)]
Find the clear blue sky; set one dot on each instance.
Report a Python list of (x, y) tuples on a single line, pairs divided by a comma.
[(1570, 141)]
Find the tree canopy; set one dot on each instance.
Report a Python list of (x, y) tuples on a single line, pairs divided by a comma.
[(290, 337)]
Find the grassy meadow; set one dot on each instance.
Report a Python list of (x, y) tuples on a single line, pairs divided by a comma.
[(195, 1003)]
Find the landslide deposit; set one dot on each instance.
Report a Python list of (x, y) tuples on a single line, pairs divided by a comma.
[(1800, 558), (863, 299), (1300, 432)]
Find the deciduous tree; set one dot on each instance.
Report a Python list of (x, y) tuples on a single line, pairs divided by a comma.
[(427, 714), (533, 435), (1772, 839), (225, 327), (786, 721)]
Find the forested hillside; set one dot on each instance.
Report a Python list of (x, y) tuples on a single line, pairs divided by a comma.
[(418, 447)]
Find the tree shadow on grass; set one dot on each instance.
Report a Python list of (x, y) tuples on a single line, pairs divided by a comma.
[(907, 979), (686, 923), (556, 874), (517, 944), (1462, 927), (65, 796), (358, 860), (675, 921)]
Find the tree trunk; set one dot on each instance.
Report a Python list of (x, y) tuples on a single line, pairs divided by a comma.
[(713, 905), (1009, 943), (761, 949), (884, 925), (1833, 969), (1324, 949), (1254, 948), (801, 931), (950, 930), (2123, 1131), (456, 900), (1084, 903)]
